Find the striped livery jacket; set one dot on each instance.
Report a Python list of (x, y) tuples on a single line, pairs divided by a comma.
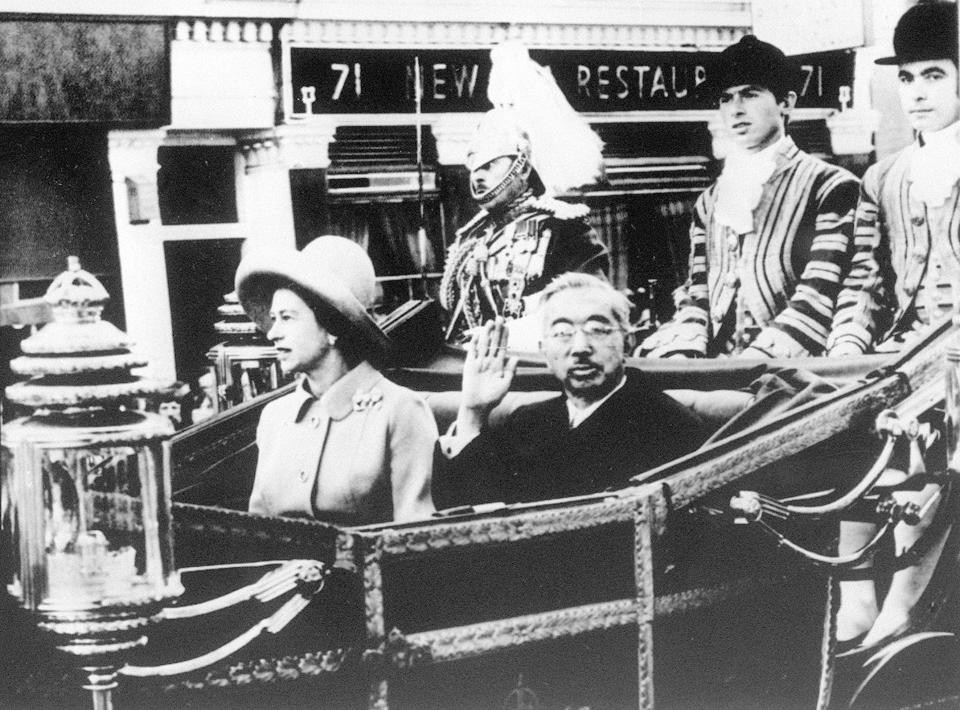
[(493, 267), (893, 241), (782, 278)]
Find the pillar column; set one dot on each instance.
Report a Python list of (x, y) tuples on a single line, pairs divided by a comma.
[(263, 192), (264, 197), (146, 298)]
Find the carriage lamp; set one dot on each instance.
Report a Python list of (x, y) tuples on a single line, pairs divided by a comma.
[(85, 502), (245, 363), (85, 499)]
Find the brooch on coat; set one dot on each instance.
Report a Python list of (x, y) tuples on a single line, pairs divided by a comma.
[(372, 399)]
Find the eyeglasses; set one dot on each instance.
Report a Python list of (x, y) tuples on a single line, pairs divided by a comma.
[(594, 332)]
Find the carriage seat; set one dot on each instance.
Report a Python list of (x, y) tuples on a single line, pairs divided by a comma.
[(714, 407)]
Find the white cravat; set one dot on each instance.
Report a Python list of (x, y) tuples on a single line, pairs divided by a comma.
[(740, 186), (935, 166)]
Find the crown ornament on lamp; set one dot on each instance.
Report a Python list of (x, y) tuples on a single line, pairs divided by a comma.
[(85, 501), (85, 497)]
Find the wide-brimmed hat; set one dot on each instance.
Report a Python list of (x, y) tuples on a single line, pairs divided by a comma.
[(925, 32), (755, 62), (334, 269)]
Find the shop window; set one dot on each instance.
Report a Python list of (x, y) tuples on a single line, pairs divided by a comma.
[(57, 201), (385, 224), (199, 273), (197, 185)]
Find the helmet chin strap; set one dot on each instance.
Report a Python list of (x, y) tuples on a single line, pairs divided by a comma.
[(513, 177)]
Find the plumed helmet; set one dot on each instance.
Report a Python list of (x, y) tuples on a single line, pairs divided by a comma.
[(498, 134), (534, 119)]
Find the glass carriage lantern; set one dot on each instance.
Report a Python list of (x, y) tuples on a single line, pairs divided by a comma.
[(87, 539), (245, 364)]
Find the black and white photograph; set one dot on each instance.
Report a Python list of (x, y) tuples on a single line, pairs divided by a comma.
[(503, 355)]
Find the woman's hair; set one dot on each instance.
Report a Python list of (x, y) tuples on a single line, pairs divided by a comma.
[(350, 344)]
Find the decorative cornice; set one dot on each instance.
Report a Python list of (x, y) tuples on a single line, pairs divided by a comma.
[(545, 35), (261, 152), (307, 144), (134, 153), (293, 145), (668, 13), (224, 31)]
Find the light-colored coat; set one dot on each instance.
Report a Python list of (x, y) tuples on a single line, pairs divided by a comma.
[(893, 239), (362, 453)]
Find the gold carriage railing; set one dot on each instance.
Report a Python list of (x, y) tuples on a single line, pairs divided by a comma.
[(913, 383)]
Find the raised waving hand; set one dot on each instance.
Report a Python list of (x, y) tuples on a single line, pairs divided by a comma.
[(487, 376)]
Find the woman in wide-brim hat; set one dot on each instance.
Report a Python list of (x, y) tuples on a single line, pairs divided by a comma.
[(347, 445)]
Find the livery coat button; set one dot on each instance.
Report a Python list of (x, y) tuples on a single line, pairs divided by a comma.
[(302, 475), (909, 290), (916, 220), (919, 256)]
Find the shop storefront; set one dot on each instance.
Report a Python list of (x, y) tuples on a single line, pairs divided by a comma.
[(648, 107), (75, 81), (301, 121)]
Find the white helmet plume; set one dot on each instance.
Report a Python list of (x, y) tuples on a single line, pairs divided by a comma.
[(565, 151)]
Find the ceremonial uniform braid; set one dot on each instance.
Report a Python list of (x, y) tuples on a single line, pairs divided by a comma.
[(540, 239)]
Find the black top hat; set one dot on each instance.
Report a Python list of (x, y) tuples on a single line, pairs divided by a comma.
[(752, 61), (926, 31)]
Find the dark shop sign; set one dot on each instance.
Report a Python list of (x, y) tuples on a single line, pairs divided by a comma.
[(325, 81)]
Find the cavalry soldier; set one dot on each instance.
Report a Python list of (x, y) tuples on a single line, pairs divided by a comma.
[(529, 147), (770, 241), (906, 271)]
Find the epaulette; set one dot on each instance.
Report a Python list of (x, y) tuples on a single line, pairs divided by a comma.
[(560, 209)]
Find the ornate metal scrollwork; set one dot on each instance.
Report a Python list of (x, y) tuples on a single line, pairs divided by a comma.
[(751, 507)]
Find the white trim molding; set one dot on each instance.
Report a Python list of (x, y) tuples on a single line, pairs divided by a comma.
[(541, 35)]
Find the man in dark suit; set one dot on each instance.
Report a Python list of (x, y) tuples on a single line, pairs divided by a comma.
[(607, 426)]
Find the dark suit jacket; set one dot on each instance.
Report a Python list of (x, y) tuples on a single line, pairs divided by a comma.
[(534, 455)]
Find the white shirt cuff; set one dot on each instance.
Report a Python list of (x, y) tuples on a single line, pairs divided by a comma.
[(452, 443)]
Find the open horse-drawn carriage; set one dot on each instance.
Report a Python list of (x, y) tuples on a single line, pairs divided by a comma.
[(708, 582)]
